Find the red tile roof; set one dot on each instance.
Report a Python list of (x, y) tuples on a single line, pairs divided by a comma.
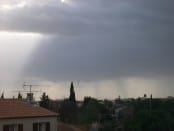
[(13, 108)]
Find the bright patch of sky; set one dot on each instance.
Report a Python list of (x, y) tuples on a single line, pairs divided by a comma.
[(15, 50)]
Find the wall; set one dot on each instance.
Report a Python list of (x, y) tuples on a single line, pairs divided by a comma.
[(28, 122)]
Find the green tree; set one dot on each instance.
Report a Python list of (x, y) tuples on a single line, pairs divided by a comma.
[(2, 95), (159, 117), (44, 101), (19, 96), (92, 110), (72, 96), (68, 111)]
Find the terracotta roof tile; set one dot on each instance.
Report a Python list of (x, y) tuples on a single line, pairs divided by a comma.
[(13, 108)]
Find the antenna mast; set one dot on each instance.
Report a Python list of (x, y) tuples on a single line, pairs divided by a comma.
[(30, 93)]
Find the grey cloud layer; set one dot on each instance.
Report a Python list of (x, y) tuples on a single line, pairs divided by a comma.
[(90, 17), (100, 58), (98, 39)]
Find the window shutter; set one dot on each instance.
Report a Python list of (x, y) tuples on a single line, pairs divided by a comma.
[(47, 126), (6, 128), (35, 127), (20, 127)]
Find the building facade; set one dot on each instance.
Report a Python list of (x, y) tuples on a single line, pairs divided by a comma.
[(16, 115)]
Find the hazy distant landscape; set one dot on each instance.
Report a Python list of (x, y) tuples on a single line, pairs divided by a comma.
[(92, 114)]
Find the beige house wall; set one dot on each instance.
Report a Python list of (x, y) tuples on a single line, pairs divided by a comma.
[(28, 122)]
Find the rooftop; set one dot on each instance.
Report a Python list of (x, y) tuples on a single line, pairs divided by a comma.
[(13, 108)]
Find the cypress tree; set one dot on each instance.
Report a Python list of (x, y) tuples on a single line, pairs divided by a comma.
[(72, 93)]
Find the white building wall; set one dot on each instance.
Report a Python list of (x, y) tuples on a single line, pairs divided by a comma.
[(28, 122)]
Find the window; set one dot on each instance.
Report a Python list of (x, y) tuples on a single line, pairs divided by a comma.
[(15, 127), (20, 127), (47, 126), (44, 126)]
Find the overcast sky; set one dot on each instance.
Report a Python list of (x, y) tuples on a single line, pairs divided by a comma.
[(107, 47)]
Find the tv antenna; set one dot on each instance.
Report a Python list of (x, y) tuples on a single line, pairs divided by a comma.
[(29, 91), (30, 87)]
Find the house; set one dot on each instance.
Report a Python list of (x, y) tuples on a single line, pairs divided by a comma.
[(17, 115)]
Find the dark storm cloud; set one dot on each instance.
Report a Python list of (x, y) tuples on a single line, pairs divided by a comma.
[(100, 58)]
